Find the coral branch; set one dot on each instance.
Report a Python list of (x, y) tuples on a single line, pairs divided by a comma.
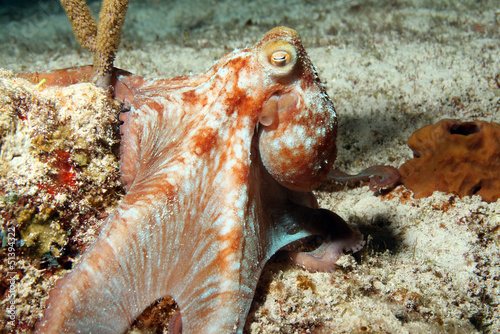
[(111, 20), (103, 38), (83, 23)]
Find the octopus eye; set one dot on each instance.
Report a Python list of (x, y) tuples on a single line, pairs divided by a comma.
[(280, 58)]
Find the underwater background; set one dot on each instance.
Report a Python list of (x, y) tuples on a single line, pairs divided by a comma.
[(391, 66)]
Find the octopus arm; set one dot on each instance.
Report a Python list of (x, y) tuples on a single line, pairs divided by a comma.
[(128, 268), (98, 295), (335, 235), (380, 177)]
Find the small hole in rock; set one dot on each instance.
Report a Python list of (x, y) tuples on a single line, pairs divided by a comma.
[(464, 129), (475, 190)]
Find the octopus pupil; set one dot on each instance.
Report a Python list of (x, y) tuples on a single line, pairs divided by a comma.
[(280, 58)]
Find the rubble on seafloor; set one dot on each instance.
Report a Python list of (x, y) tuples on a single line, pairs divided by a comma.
[(431, 265)]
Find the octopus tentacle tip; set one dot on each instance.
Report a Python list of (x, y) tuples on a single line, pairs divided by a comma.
[(324, 258), (379, 177)]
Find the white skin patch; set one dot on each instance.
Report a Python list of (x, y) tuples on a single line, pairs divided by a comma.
[(298, 140), (228, 225), (241, 201), (248, 82)]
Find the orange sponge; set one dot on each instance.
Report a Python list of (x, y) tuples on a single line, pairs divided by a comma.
[(455, 157)]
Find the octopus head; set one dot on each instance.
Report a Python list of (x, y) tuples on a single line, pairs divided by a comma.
[(298, 124)]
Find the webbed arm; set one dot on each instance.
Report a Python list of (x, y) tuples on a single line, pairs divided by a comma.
[(335, 237)]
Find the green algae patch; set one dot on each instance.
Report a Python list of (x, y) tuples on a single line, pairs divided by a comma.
[(41, 232)]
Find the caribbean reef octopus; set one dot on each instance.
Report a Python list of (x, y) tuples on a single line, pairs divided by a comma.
[(219, 169)]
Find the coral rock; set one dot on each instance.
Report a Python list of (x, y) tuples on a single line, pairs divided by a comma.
[(455, 157)]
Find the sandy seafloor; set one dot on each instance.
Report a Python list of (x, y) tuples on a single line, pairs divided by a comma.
[(430, 265)]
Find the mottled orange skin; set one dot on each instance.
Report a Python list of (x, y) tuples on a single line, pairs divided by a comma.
[(208, 200)]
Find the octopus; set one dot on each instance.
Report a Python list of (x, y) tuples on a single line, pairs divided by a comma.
[(219, 170)]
